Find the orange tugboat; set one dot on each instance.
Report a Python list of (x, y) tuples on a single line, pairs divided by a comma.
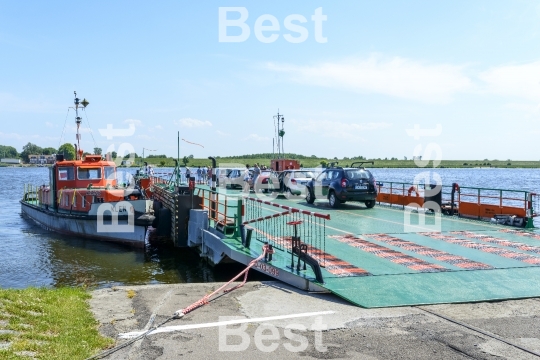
[(85, 199)]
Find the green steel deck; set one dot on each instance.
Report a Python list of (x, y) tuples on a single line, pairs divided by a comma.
[(468, 261)]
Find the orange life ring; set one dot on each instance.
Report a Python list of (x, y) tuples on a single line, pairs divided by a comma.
[(411, 189)]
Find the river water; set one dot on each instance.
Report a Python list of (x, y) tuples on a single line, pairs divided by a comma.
[(31, 256)]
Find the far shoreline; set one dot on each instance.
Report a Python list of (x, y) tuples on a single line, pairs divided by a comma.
[(309, 167), (314, 162)]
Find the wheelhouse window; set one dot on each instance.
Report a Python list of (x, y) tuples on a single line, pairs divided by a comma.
[(110, 173), (89, 173), (66, 173)]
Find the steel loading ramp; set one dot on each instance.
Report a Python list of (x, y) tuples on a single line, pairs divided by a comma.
[(368, 259)]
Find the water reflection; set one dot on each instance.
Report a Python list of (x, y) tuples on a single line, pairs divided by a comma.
[(32, 256)]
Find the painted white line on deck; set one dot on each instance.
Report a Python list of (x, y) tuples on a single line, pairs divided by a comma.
[(222, 323)]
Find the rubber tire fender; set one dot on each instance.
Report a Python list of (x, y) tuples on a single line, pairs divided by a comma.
[(164, 223), (157, 205)]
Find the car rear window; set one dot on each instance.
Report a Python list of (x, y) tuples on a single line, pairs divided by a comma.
[(357, 174), (303, 174)]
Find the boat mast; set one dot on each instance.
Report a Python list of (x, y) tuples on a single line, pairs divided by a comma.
[(78, 120), (279, 133)]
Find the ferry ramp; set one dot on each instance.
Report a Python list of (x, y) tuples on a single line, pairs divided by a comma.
[(386, 256)]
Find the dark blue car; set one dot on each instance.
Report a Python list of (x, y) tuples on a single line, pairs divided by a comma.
[(341, 184)]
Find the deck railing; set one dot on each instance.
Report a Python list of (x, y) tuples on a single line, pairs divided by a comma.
[(297, 232), (31, 194), (278, 225), (224, 210), (467, 201)]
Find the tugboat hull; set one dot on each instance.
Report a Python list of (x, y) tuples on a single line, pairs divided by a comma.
[(87, 226)]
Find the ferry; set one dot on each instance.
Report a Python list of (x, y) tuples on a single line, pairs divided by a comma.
[(84, 199)]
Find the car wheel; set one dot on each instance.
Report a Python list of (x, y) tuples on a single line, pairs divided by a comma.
[(309, 196), (370, 203), (332, 200)]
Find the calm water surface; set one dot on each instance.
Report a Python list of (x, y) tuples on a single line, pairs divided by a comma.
[(512, 179), (31, 256)]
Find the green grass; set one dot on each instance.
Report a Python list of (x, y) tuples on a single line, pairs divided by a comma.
[(379, 163), (49, 323)]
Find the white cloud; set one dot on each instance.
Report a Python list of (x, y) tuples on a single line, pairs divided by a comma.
[(10, 136), (527, 108), (337, 129), (9, 102), (146, 137), (526, 113), (399, 77), (46, 138), (155, 128), (514, 80), (257, 138), (192, 123), (137, 123), (222, 133), (49, 124)]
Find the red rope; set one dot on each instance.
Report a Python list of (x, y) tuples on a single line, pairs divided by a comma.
[(206, 299)]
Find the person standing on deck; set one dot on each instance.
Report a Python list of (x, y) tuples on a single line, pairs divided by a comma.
[(246, 179), (188, 174), (204, 174), (209, 176), (199, 175), (256, 173)]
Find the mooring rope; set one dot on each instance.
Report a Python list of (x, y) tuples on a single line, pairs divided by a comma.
[(206, 299), (180, 313)]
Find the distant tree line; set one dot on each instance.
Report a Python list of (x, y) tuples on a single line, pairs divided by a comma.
[(285, 155), (8, 152), (67, 149)]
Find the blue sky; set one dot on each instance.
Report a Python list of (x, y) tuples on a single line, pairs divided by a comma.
[(471, 66)]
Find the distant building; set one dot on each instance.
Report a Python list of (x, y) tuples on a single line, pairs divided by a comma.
[(417, 157), (33, 159), (41, 159), (51, 158), (10, 161)]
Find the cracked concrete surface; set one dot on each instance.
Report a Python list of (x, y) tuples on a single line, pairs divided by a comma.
[(352, 332)]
